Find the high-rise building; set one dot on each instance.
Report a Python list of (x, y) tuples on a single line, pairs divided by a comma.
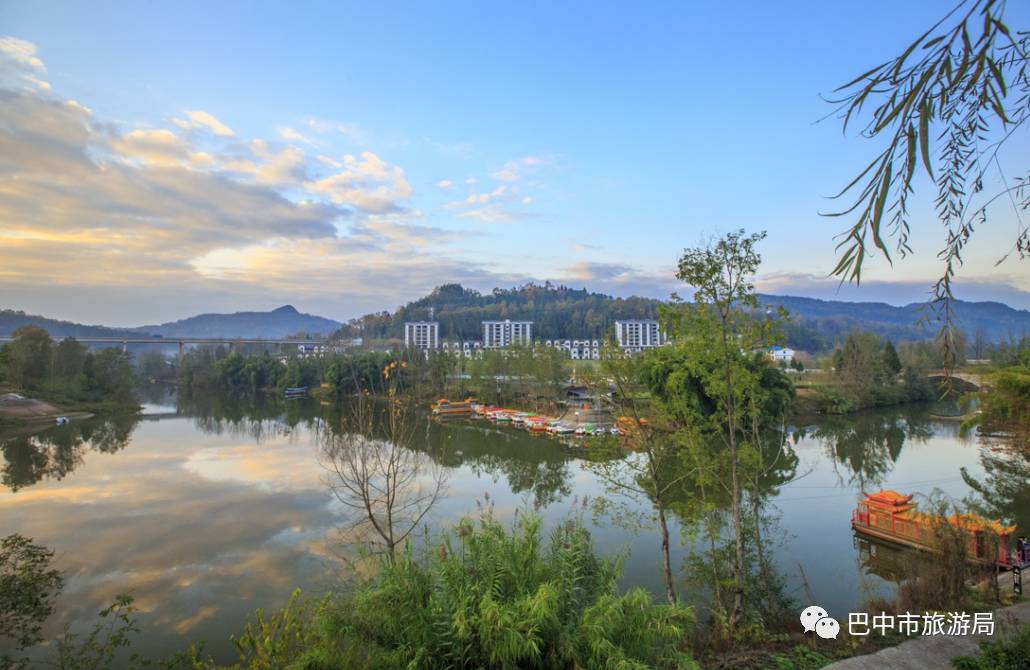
[(505, 333), (422, 334), (637, 335)]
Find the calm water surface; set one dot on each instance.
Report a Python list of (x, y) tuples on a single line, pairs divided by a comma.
[(208, 510)]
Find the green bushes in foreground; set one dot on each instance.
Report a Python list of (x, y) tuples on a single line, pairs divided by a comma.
[(482, 597), (487, 598)]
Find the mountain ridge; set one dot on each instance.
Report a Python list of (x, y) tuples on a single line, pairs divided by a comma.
[(558, 312)]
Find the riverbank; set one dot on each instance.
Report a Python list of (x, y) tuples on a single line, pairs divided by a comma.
[(17, 409)]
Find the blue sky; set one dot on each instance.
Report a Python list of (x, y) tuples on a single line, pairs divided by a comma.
[(489, 144)]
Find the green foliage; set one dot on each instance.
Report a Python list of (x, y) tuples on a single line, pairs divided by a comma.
[(891, 362), (293, 638), (1005, 402), (557, 312), (67, 371), (529, 377), (28, 358), (866, 374), (800, 657), (105, 647), (1009, 651), (487, 598), (358, 372), (27, 587)]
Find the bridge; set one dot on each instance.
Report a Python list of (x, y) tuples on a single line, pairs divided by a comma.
[(231, 342), (966, 382)]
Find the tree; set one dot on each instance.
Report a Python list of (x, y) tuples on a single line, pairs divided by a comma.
[(386, 486), (719, 329), (28, 586), (68, 358), (950, 101), (796, 363), (29, 357), (651, 472), (891, 362)]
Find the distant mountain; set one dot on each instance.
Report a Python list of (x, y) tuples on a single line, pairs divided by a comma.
[(818, 324), (280, 322), (11, 321)]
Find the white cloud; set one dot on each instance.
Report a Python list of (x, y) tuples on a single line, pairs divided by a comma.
[(444, 184), (19, 64), (204, 120), (153, 146), (293, 135), (367, 183), (515, 170), (285, 168)]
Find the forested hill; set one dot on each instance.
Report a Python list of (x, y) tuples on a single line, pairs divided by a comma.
[(556, 312), (11, 320), (817, 324), (561, 312)]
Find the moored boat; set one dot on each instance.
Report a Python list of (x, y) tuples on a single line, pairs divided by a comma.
[(444, 407), (890, 516)]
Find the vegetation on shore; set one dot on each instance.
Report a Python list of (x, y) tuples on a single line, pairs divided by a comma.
[(68, 374)]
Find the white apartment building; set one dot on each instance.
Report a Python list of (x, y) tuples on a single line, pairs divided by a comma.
[(422, 334), (499, 334), (637, 335)]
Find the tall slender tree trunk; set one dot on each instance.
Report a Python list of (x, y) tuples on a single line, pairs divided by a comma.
[(738, 530), (670, 587)]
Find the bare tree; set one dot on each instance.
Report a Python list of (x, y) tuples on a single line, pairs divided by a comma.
[(385, 485)]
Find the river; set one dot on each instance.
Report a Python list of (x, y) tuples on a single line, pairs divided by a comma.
[(207, 510)]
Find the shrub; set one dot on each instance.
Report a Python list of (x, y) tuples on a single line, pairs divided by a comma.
[(1010, 651), (487, 598)]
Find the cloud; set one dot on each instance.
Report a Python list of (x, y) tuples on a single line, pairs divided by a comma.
[(156, 147), (154, 224), (293, 135), (19, 64), (590, 271), (515, 170), (621, 280), (287, 167), (444, 184), (367, 183), (204, 120)]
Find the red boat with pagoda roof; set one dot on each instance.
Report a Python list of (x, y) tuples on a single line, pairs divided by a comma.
[(890, 516)]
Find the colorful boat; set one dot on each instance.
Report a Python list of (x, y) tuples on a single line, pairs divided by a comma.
[(890, 516), (444, 407)]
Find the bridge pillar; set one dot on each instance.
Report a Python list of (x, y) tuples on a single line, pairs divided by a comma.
[(125, 347), (181, 347)]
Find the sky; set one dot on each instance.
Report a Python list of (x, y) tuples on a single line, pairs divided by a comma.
[(159, 160)]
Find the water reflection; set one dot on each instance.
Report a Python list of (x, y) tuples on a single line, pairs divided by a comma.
[(1003, 492), (55, 452), (217, 506), (868, 445)]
